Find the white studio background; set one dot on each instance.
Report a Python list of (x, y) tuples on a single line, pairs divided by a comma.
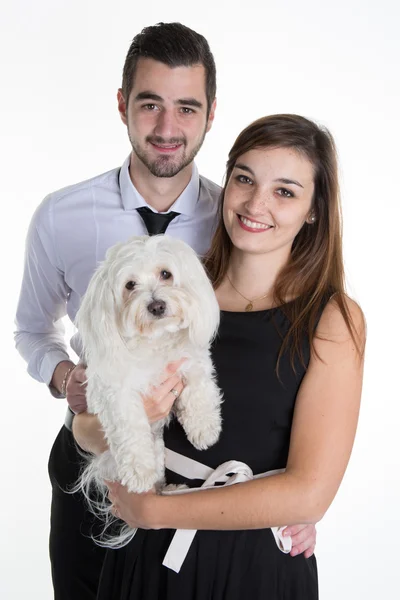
[(336, 62)]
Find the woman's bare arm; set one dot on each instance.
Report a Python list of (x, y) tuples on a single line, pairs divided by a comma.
[(88, 433), (323, 432)]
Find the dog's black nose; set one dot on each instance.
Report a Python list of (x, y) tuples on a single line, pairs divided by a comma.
[(157, 308)]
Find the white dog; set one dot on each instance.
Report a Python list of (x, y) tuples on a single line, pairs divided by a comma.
[(149, 303)]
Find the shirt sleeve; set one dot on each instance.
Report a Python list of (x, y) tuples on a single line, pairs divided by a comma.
[(39, 337)]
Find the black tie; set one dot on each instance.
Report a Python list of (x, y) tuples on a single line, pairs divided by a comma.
[(156, 222)]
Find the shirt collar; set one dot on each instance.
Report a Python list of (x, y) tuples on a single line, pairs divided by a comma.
[(184, 204)]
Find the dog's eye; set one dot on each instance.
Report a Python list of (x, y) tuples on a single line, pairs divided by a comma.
[(130, 285), (165, 274)]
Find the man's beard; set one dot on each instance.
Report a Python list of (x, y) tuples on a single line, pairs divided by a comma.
[(165, 166)]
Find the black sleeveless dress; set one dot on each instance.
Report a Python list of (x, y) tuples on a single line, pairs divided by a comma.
[(257, 416)]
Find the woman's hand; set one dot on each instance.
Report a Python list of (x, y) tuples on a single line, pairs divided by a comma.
[(158, 402), (135, 509), (138, 510)]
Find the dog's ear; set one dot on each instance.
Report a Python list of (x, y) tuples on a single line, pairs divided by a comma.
[(204, 313), (96, 319)]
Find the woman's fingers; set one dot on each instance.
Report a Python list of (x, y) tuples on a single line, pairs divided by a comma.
[(169, 394), (158, 402), (169, 384), (174, 392), (172, 367)]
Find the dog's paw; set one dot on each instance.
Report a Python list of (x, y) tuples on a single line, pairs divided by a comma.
[(172, 487), (206, 433), (140, 479)]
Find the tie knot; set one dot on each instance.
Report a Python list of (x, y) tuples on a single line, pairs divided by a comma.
[(156, 222)]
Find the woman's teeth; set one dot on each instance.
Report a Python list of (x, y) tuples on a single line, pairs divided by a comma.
[(254, 224)]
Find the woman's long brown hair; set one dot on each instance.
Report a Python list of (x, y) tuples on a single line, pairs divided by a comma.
[(314, 271)]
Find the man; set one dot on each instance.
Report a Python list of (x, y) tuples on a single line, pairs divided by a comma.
[(167, 101)]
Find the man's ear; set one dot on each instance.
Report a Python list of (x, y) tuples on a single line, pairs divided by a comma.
[(211, 115), (122, 106)]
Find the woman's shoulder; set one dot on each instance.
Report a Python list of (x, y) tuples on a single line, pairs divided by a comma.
[(342, 319)]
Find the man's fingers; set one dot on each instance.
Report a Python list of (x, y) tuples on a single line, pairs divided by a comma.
[(300, 532), (309, 552), (307, 547), (303, 533), (80, 380), (303, 539), (293, 530), (78, 374)]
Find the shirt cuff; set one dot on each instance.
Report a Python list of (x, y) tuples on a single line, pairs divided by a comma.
[(49, 363)]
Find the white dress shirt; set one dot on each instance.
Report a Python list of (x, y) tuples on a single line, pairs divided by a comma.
[(68, 236)]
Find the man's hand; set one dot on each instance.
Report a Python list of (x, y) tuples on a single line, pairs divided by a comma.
[(76, 389), (157, 403), (304, 538), (86, 427)]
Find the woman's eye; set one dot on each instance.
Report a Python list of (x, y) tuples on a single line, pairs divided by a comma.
[(244, 179), (165, 274), (130, 285), (285, 193)]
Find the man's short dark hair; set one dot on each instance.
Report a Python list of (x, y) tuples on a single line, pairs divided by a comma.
[(174, 45)]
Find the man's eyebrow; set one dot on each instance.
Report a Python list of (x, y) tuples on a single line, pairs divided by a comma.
[(147, 95), (244, 168), (289, 181), (189, 102)]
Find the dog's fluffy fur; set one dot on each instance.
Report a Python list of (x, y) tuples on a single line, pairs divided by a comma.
[(149, 303)]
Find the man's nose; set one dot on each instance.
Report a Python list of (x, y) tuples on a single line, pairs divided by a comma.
[(166, 126)]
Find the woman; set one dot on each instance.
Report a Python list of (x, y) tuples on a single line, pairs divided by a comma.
[(289, 361)]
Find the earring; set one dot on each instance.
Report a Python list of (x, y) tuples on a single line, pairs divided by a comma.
[(312, 219)]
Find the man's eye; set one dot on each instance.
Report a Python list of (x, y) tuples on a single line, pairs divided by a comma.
[(187, 111), (150, 106), (244, 179), (165, 274), (130, 285), (285, 193)]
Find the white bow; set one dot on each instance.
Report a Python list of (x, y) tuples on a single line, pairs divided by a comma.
[(228, 473)]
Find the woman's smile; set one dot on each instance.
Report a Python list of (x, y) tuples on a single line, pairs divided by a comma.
[(253, 226)]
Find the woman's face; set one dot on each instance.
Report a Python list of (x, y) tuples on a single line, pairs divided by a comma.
[(268, 199)]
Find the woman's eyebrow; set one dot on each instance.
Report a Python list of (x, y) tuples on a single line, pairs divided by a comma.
[(244, 168), (284, 180)]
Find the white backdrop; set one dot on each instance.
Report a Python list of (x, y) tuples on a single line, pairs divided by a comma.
[(335, 62)]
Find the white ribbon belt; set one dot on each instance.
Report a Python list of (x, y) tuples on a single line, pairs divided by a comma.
[(228, 473)]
